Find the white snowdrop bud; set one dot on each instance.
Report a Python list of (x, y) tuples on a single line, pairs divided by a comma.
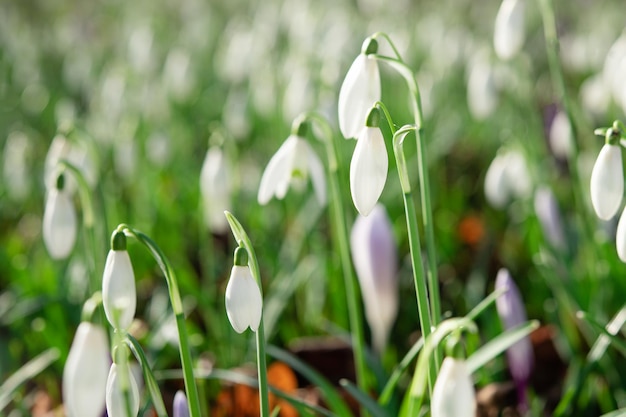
[(607, 182), (453, 394), (509, 34), (119, 293), (60, 225), (244, 304)]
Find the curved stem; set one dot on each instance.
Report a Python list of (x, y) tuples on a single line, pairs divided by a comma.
[(389, 41), (352, 291), (242, 237), (177, 307)]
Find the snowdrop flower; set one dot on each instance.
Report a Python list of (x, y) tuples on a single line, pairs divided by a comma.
[(180, 407), (74, 152), (508, 34), (453, 394), (60, 225), (115, 399), (507, 177), (607, 182), (215, 188), (244, 305), (292, 164), (119, 294), (375, 258), (513, 313), (482, 94), (359, 91), (560, 136), (549, 215), (85, 372), (368, 168)]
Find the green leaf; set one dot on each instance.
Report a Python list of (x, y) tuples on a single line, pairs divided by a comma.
[(599, 347), (26, 372), (151, 383), (499, 344), (365, 400), (616, 341), (399, 369)]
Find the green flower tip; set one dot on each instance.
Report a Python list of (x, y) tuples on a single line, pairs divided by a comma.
[(118, 241), (60, 182), (241, 256), (454, 347), (373, 117), (300, 127), (370, 46)]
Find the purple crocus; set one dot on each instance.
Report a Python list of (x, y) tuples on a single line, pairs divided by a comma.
[(374, 254), (180, 408), (513, 313), (549, 215)]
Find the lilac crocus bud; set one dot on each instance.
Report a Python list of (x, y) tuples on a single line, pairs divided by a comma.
[(60, 225), (115, 397), (85, 372), (512, 314), (453, 393), (509, 33), (375, 258), (359, 91), (215, 188), (244, 304), (119, 293), (292, 164), (607, 182), (549, 215), (369, 165), (180, 407)]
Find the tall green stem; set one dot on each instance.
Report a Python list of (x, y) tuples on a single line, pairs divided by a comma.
[(177, 308), (352, 292), (242, 237)]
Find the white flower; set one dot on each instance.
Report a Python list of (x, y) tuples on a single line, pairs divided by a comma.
[(76, 153), (375, 258), (453, 394), (561, 139), (507, 178), (244, 304), (115, 399), (509, 34), (607, 182), (85, 372), (359, 91), (119, 295), (368, 169), (293, 161), (60, 225), (482, 94), (620, 237), (215, 187)]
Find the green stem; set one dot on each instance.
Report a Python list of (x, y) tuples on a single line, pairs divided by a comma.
[(352, 291), (177, 308), (242, 237), (424, 182)]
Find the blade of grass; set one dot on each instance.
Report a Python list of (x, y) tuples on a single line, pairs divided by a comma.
[(364, 400), (615, 341)]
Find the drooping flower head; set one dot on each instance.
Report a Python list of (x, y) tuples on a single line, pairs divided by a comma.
[(509, 33), (453, 393), (512, 314), (115, 398), (244, 304), (60, 225), (369, 165), (85, 372), (359, 91), (215, 188), (119, 293), (375, 258), (607, 177), (507, 178), (292, 164)]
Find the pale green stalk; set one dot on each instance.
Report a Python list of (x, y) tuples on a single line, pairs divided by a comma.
[(242, 238), (352, 291), (177, 307)]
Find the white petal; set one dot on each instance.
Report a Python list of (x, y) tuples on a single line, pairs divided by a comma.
[(368, 169), (318, 177), (215, 187), (620, 237), (359, 91), (496, 186), (509, 31), (116, 405), (85, 372), (453, 394), (119, 294), (482, 96), (244, 305), (277, 174), (561, 135), (59, 224), (517, 175), (607, 182)]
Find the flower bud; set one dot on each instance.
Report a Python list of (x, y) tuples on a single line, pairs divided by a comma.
[(119, 294), (60, 225), (85, 372), (549, 215), (509, 34), (368, 169), (215, 188), (180, 407), (244, 304), (375, 258), (359, 91), (482, 94), (453, 393), (607, 182), (115, 396)]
